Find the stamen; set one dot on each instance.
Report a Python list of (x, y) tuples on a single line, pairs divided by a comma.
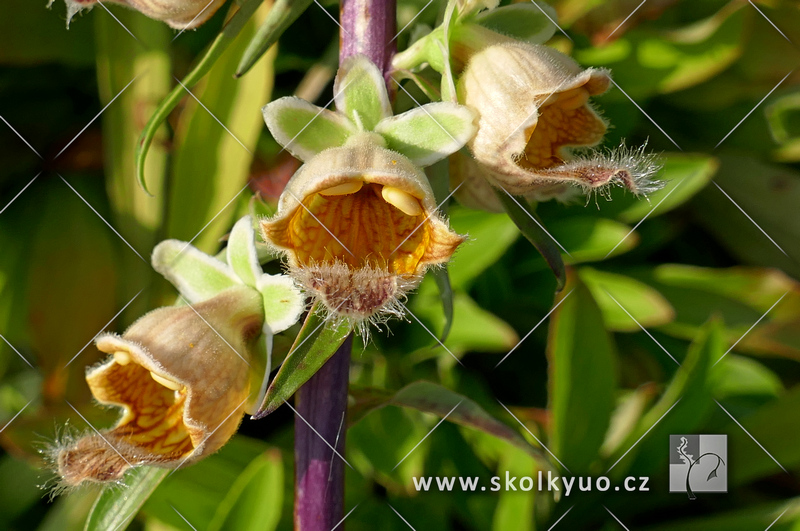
[(343, 189), (405, 202), (122, 357), (166, 382)]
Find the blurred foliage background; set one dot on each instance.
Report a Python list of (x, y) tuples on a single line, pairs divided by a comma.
[(709, 266)]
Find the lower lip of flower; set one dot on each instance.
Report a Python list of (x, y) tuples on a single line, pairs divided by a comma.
[(355, 244)]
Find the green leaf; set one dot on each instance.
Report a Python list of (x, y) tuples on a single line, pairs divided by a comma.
[(305, 129), (740, 376), (360, 92), (429, 133), (776, 426), (591, 239), (203, 66), (515, 509), (682, 408), (115, 508), (684, 176), (282, 14), (524, 22), (255, 500), (283, 302), (317, 341), (783, 516), (473, 328), (241, 252), (433, 398), (770, 201), (196, 275), (529, 224), (446, 296), (583, 379), (214, 144), (625, 301), (490, 236)]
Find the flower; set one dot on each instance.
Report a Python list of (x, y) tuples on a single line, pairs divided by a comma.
[(178, 14), (359, 227), (534, 109), (358, 223), (182, 374), (181, 377)]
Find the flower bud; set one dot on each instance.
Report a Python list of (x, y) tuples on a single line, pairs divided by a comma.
[(534, 108), (359, 227), (182, 378), (178, 14)]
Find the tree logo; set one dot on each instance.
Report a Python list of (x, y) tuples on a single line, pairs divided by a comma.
[(708, 472)]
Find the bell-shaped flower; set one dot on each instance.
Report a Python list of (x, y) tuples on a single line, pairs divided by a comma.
[(358, 222), (178, 14), (182, 375), (535, 110)]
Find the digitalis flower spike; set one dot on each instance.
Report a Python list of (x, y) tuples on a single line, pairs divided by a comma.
[(183, 375), (358, 222)]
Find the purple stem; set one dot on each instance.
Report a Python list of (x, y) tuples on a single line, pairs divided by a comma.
[(319, 472), (368, 27)]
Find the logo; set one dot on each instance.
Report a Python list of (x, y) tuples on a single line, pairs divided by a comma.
[(698, 463)]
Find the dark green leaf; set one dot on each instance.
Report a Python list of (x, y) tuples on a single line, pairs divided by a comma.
[(255, 500), (116, 507), (583, 378), (282, 14), (315, 344), (521, 213), (446, 296), (201, 68)]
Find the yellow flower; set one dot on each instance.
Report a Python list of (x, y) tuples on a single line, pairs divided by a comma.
[(182, 378), (179, 14), (534, 108), (359, 227)]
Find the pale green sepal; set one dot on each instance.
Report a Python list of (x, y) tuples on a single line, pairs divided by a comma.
[(305, 129), (196, 275), (360, 92), (283, 302), (242, 256), (524, 22), (467, 7), (429, 133)]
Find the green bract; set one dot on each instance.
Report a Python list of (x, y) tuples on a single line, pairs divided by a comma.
[(425, 135)]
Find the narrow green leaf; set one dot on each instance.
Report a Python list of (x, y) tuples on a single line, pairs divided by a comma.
[(429, 133), (242, 256), (203, 66), (360, 92), (682, 408), (784, 516), (135, 214), (433, 398), (255, 500), (625, 302), (515, 509), (442, 279), (529, 224), (214, 144), (583, 378), (305, 129), (115, 508), (196, 275), (490, 236), (282, 14), (525, 22), (315, 344)]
